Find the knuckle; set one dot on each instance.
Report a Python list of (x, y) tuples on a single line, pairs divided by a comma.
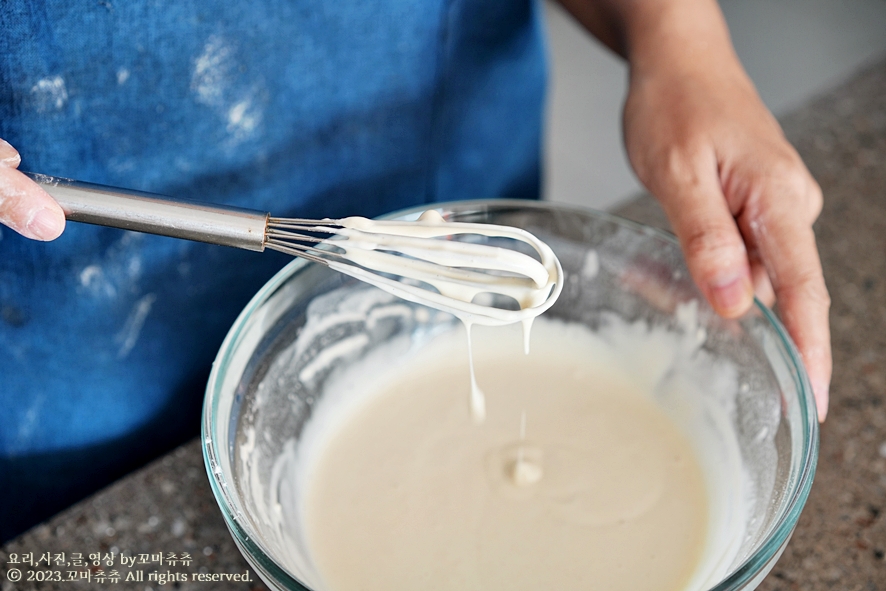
[(711, 246), (787, 181), (681, 162), (676, 166), (787, 192)]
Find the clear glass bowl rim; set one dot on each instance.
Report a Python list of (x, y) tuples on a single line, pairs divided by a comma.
[(781, 530)]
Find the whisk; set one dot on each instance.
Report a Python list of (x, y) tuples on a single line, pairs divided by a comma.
[(429, 261)]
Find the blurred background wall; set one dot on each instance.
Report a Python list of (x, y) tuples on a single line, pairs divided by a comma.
[(792, 49)]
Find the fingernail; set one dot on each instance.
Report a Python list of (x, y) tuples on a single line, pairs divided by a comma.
[(732, 297), (46, 224), (9, 156), (822, 393)]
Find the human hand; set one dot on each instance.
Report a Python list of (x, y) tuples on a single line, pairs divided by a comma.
[(24, 206), (739, 197)]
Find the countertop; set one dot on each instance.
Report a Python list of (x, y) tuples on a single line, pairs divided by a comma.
[(840, 541)]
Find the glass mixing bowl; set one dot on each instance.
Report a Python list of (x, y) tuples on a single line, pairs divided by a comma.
[(272, 367)]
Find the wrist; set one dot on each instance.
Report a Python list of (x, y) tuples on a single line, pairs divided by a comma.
[(667, 38)]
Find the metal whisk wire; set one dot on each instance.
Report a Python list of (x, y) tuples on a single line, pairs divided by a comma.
[(282, 235)]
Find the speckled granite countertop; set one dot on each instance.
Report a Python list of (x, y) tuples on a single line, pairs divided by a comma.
[(840, 541)]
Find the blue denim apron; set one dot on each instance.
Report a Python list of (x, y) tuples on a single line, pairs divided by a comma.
[(303, 108)]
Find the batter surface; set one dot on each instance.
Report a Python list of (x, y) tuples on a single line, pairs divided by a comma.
[(576, 479)]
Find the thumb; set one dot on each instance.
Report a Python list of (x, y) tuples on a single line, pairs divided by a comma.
[(24, 206), (9, 156)]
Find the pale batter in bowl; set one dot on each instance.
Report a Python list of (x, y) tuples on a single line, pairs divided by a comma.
[(407, 492)]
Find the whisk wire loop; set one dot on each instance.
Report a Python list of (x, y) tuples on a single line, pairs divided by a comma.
[(427, 263)]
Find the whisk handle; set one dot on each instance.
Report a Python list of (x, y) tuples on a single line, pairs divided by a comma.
[(156, 214)]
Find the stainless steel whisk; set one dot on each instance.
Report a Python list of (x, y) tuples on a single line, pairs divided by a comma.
[(457, 272)]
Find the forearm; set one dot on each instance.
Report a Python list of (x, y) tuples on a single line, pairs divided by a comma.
[(677, 35)]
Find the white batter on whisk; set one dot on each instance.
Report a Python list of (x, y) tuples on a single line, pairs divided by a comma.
[(576, 480), (534, 285)]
